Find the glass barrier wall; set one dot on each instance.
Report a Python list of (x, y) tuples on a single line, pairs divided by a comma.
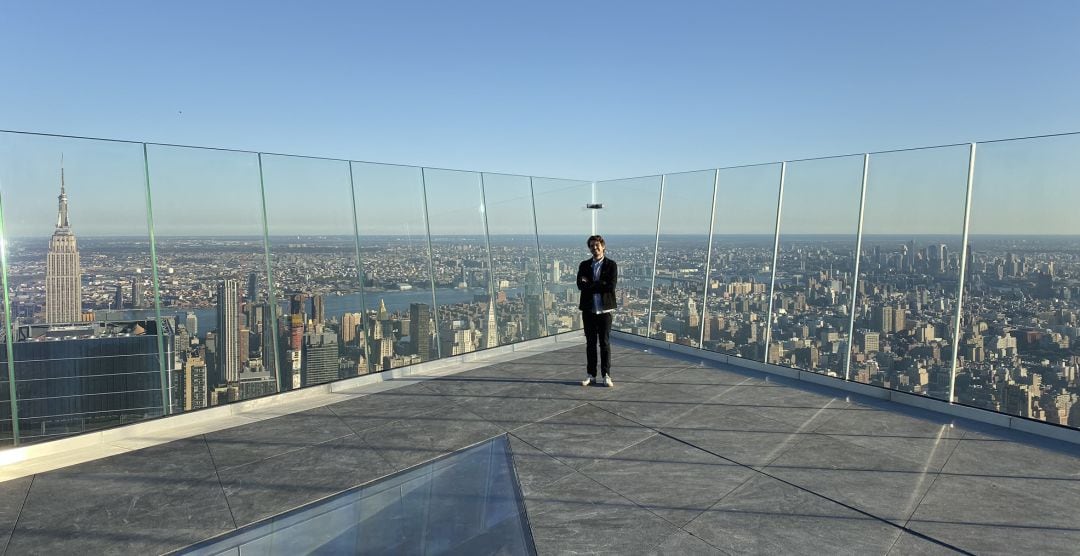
[(85, 347), (313, 260), (909, 272), (398, 325), (563, 223), (166, 279), (1020, 324), (815, 266), (521, 301), (628, 222), (682, 255), (741, 261), (211, 262)]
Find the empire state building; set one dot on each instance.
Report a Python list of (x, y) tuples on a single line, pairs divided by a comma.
[(63, 279)]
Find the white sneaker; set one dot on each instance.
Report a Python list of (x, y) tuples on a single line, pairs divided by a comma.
[(608, 383), (589, 381)]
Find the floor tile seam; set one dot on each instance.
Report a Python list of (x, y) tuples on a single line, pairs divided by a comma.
[(901, 529), (508, 431), (807, 490), (221, 484), (631, 502), (18, 516), (285, 453), (922, 498)]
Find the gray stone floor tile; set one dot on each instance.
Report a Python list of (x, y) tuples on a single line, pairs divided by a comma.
[(12, 495), (534, 468), (893, 422), (375, 410), (999, 539), (778, 396), (990, 501), (734, 433), (710, 377), (580, 436), (418, 439), (910, 544), (263, 439), (766, 516), (685, 544), (271, 486), (142, 502), (576, 515), (925, 453), (669, 478), (510, 410), (1013, 459)]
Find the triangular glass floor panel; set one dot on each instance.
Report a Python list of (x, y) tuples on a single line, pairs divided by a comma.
[(468, 502)]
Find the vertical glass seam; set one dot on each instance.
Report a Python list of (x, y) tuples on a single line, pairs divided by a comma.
[(359, 270), (776, 256), (166, 382), (708, 263), (271, 298), (491, 262), (655, 255), (9, 339), (431, 264), (539, 263), (855, 280), (963, 272)]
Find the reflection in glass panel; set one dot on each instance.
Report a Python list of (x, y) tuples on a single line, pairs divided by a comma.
[(463, 297), (313, 261), (85, 337), (680, 261), (628, 224), (909, 270), (563, 224), (520, 299), (212, 266), (1020, 326), (742, 256), (398, 323), (815, 269)]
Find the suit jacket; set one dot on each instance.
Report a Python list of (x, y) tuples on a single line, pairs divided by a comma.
[(605, 286)]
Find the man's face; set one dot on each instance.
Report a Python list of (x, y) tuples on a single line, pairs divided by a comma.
[(597, 249)]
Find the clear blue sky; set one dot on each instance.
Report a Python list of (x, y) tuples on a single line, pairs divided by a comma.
[(585, 90)]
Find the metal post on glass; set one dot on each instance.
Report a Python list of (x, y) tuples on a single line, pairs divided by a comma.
[(775, 258), (963, 273), (855, 278)]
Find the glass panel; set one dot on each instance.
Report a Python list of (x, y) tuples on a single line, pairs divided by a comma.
[(211, 258), (467, 503), (628, 224), (815, 270), (313, 261), (398, 325), (563, 224), (909, 272), (520, 299), (1020, 328), (75, 219), (742, 257), (459, 252), (680, 265)]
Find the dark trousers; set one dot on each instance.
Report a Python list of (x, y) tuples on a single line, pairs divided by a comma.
[(597, 331)]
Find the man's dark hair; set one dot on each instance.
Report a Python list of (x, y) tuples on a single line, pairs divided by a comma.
[(596, 238)]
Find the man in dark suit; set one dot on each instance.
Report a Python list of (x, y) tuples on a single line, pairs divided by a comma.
[(596, 278)]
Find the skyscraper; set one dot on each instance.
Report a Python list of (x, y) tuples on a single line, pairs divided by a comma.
[(420, 330), (228, 329), (320, 358), (252, 284), (136, 291), (318, 308), (192, 323), (63, 277), (491, 332)]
